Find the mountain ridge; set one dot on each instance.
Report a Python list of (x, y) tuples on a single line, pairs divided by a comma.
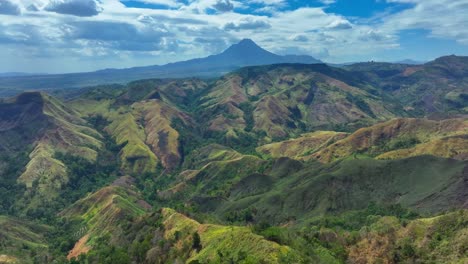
[(244, 53), (286, 163)]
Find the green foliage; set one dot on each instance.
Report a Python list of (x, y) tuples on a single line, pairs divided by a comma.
[(361, 104), (297, 211), (248, 109), (243, 216), (138, 249), (355, 220), (402, 143), (85, 177), (196, 241), (63, 236), (105, 253), (272, 233), (10, 189)]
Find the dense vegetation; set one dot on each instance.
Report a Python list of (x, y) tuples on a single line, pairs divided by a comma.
[(273, 164)]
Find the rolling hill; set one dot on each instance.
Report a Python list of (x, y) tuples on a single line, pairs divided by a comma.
[(284, 163)]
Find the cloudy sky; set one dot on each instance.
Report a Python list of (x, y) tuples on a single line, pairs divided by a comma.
[(83, 35)]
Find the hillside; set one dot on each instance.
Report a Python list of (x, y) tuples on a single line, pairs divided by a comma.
[(117, 214), (281, 100), (286, 163), (437, 87), (22, 241), (401, 138), (44, 127)]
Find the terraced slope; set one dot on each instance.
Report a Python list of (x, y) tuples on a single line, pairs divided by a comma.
[(102, 213), (22, 241)]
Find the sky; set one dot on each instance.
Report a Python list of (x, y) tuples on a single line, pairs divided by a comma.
[(56, 36)]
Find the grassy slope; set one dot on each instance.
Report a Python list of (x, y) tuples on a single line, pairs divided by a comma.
[(437, 87), (22, 241), (441, 239), (136, 156), (213, 152), (223, 243), (53, 128), (301, 147), (272, 101), (284, 100), (400, 138), (160, 135), (290, 190), (113, 209), (101, 211), (141, 118)]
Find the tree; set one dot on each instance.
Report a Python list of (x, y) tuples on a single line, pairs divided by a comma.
[(196, 242)]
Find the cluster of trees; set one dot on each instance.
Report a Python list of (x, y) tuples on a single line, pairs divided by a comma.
[(11, 167)]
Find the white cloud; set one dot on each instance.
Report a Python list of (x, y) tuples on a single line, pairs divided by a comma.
[(9, 8), (83, 8), (169, 3), (223, 5), (443, 18), (327, 2), (340, 24), (118, 36)]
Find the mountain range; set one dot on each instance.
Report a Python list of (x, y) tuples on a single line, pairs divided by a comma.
[(288, 162), (244, 53)]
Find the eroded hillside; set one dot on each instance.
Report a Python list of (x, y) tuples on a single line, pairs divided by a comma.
[(285, 163)]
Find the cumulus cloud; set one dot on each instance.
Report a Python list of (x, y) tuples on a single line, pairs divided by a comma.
[(184, 29), (212, 45), (9, 8), (269, 2), (169, 3), (443, 18), (122, 36), (82, 8), (32, 8), (327, 2), (247, 24), (300, 38), (223, 6), (340, 24)]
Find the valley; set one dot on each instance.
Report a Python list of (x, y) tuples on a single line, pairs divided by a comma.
[(283, 163)]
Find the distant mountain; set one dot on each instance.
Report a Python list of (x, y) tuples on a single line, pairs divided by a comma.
[(436, 87), (244, 53), (410, 62), (16, 74)]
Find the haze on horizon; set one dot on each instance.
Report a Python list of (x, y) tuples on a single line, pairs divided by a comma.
[(57, 36)]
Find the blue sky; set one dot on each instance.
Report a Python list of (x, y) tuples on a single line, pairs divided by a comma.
[(85, 35)]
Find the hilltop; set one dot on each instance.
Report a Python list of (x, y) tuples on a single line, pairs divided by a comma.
[(297, 163)]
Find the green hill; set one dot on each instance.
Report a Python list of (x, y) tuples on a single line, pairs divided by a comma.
[(284, 163)]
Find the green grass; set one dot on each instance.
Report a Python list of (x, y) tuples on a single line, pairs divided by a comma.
[(136, 156), (23, 240)]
